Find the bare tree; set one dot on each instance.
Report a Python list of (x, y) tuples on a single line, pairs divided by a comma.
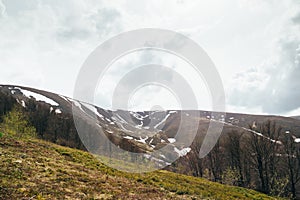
[(292, 158), (264, 148), (195, 163), (234, 150), (214, 158)]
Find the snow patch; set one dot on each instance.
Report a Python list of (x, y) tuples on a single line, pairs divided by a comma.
[(93, 109), (172, 140), (166, 117), (78, 104), (58, 111), (122, 127), (139, 126), (142, 140), (151, 141), (136, 115), (38, 97), (163, 156), (64, 98), (147, 156), (121, 119), (23, 103), (128, 137), (183, 151)]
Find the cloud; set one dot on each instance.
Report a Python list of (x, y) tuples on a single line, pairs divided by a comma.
[(17, 8), (2, 9), (274, 86), (248, 88), (127, 66), (44, 43), (296, 19), (283, 88)]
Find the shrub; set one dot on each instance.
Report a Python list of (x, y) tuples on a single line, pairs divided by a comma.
[(230, 177), (15, 124)]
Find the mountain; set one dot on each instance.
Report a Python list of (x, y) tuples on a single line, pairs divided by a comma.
[(137, 128), (148, 132)]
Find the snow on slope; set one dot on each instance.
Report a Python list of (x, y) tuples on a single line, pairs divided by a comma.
[(128, 137), (38, 97), (249, 130), (162, 121), (172, 140), (23, 104), (142, 140), (58, 111), (183, 151), (93, 109)]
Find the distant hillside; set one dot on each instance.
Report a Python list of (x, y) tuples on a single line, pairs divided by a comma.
[(260, 152), (296, 117), (144, 131), (35, 169)]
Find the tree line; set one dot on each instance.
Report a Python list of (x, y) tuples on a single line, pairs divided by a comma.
[(57, 128), (266, 159)]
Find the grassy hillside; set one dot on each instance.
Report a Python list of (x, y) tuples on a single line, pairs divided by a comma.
[(35, 169)]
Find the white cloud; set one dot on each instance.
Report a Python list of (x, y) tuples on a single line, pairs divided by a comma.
[(2, 9), (253, 44), (274, 86), (43, 44)]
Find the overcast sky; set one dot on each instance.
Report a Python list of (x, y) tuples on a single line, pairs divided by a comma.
[(254, 44)]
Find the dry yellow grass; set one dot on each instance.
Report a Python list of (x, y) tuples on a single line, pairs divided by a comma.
[(36, 169)]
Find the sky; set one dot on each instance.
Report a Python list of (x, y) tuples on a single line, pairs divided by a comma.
[(254, 44)]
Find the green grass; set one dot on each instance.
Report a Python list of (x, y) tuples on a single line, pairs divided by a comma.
[(36, 169)]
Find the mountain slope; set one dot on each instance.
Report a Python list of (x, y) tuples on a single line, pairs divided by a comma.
[(37, 169), (147, 132), (143, 131)]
